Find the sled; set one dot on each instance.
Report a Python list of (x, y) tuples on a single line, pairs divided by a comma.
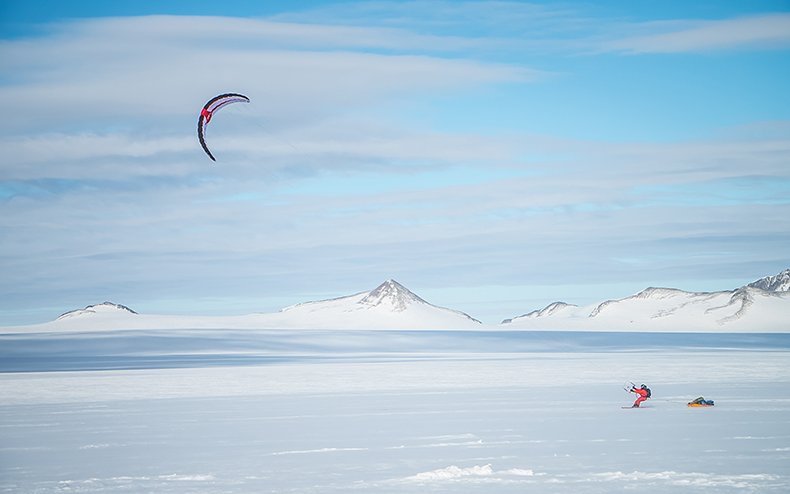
[(700, 403)]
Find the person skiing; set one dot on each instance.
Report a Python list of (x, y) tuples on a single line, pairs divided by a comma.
[(643, 392)]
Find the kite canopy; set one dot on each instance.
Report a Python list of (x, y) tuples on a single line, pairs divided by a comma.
[(208, 110)]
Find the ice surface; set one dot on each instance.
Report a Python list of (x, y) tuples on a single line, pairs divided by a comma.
[(340, 412)]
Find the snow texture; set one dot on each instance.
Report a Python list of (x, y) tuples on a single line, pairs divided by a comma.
[(342, 411)]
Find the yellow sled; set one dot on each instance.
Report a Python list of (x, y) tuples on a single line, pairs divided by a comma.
[(700, 402)]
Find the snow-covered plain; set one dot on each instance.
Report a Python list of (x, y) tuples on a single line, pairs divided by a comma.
[(211, 411)]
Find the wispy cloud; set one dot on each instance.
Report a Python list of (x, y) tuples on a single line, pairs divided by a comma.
[(508, 26), (104, 90), (349, 166), (770, 31)]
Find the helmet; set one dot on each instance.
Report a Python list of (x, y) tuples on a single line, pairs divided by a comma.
[(643, 386)]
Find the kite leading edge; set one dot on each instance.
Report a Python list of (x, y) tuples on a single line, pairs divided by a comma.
[(208, 110)]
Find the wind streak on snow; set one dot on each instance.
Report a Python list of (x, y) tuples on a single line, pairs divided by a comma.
[(314, 451), (92, 484), (690, 479), (451, 472), (456, 473), (529, 369)]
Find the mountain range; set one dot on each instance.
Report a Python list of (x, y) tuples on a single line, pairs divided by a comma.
[(388, 306), (747, 309), (760, 306)]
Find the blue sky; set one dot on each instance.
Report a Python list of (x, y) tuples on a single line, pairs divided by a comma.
[(492, 156)]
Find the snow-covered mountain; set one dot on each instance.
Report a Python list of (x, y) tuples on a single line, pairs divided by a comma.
[(776, 283), (761, 306), (388, 306), (91, 310)]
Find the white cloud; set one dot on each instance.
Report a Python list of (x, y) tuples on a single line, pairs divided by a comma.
[(95, 94), (160, 66), (104, 190), (496, 21), (769, 31), (514, 27)]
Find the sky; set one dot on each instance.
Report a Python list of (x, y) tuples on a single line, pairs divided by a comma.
[(491, 156)]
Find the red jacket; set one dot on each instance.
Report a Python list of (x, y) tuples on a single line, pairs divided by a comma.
[(641, 392)]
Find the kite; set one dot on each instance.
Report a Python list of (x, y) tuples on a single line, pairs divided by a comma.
[(208, 110)]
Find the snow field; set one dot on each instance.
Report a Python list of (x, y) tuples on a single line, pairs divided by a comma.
[(504, 423)]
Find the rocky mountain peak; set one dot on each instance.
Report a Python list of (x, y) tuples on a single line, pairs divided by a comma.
[(776, 283), (393, 294), (103, 308)]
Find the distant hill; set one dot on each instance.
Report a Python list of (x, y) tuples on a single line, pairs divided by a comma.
[(760, 306), (388, 306), (89, 311)]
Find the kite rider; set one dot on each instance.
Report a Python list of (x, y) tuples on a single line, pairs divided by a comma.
[(643, 392)]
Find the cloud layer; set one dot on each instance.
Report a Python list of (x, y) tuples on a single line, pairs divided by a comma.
[(367, 153)]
